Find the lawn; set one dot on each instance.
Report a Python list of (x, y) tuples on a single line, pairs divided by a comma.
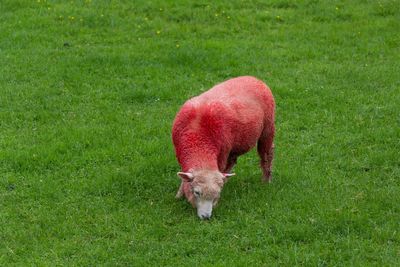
[(88, 93)]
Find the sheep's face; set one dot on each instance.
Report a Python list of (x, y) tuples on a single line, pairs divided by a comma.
[(205, 189)]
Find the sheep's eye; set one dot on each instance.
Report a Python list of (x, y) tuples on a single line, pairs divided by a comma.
[(196, 193)]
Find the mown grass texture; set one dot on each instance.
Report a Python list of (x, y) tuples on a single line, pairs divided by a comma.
[(88, 92)]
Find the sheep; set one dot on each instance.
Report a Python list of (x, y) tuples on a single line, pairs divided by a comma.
[(211, 130)]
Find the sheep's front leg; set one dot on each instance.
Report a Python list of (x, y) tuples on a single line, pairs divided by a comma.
[(230, 163), (179, 194)]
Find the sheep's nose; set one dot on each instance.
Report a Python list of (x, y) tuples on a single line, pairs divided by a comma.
[(205, 216)]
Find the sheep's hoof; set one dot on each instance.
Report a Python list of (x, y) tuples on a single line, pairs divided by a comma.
[(179, 194), (265, 179)]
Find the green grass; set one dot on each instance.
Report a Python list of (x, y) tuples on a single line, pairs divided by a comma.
[(88, 92)]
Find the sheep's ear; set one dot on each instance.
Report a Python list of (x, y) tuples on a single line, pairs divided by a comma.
[(186, 176), (227, 175)]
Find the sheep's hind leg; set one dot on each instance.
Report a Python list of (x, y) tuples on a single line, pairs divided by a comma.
[(265, 149)]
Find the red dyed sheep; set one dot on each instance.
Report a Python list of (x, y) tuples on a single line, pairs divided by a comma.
[(211, 130)]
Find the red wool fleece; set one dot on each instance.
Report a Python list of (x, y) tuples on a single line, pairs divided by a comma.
[(211, 130)]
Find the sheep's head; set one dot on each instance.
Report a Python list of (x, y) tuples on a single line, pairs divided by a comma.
[(204, 189)]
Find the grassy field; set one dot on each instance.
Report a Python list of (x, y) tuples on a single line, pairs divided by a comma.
[(88, 92)]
